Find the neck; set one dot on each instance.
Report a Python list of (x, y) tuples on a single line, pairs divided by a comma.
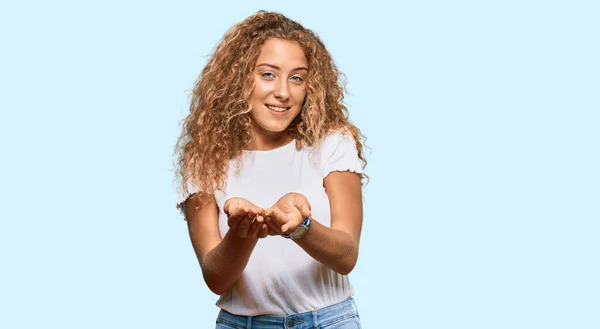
[(265, 141)]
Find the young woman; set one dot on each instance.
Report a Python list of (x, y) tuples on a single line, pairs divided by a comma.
[(273, 175)]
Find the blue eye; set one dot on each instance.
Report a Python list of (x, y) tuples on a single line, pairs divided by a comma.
[(297, 78), (267, 75)]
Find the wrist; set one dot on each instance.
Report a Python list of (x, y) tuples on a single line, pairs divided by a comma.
[(238, 241), (300, 231)]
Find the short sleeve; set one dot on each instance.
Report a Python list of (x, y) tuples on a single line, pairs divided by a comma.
[(339, 153), (184, 195)]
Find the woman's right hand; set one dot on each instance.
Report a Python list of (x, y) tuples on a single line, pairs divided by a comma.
[(245, 218)]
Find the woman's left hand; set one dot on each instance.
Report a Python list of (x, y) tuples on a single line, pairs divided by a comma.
[(287, 214)]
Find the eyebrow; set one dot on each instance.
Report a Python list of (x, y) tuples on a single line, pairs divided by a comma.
[(277, 67)]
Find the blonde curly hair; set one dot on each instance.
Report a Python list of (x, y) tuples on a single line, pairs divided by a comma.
[(217, 128)]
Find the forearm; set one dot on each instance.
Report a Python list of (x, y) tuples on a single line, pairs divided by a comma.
[(224, 264), (334, 248)]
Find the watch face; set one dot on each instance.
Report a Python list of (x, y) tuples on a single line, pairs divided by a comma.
[(299, 232)]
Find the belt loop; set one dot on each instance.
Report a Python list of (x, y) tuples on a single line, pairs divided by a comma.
[(354, 308), (315, 324), (249, 323)]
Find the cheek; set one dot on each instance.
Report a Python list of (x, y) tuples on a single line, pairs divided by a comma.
[(261, 90), (300, 94)]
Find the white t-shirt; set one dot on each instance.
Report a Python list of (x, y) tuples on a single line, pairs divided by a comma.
[(281, 278)]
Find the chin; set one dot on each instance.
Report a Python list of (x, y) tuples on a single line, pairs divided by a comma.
[(274, 129)]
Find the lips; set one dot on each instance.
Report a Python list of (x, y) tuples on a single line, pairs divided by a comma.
[(277, 108)]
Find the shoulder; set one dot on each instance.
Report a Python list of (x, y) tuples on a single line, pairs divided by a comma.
[(336, 136), (338, 152), (334, 139)]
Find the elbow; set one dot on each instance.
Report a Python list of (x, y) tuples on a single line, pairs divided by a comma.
[(345, 267), (218, 288), (345, 270), (215, 283)]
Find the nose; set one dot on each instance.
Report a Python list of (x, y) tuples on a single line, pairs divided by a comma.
[(281, 90)]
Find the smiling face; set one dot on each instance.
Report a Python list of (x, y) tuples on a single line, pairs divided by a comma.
[(279, 91)]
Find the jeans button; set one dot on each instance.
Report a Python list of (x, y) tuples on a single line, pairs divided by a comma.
[(290, 323)]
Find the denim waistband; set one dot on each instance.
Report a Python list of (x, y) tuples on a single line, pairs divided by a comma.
[(311, 319)]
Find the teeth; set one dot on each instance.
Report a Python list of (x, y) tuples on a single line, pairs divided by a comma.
[(277, 109)]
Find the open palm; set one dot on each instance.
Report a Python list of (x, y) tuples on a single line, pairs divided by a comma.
[(287, 213), (245, 219)]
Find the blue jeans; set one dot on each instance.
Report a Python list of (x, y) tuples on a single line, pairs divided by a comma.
[(338, 316)]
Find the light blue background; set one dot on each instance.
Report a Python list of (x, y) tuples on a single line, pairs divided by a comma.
[(483, 119)]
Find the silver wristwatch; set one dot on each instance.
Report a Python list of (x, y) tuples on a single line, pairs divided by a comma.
[(300, 231)]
